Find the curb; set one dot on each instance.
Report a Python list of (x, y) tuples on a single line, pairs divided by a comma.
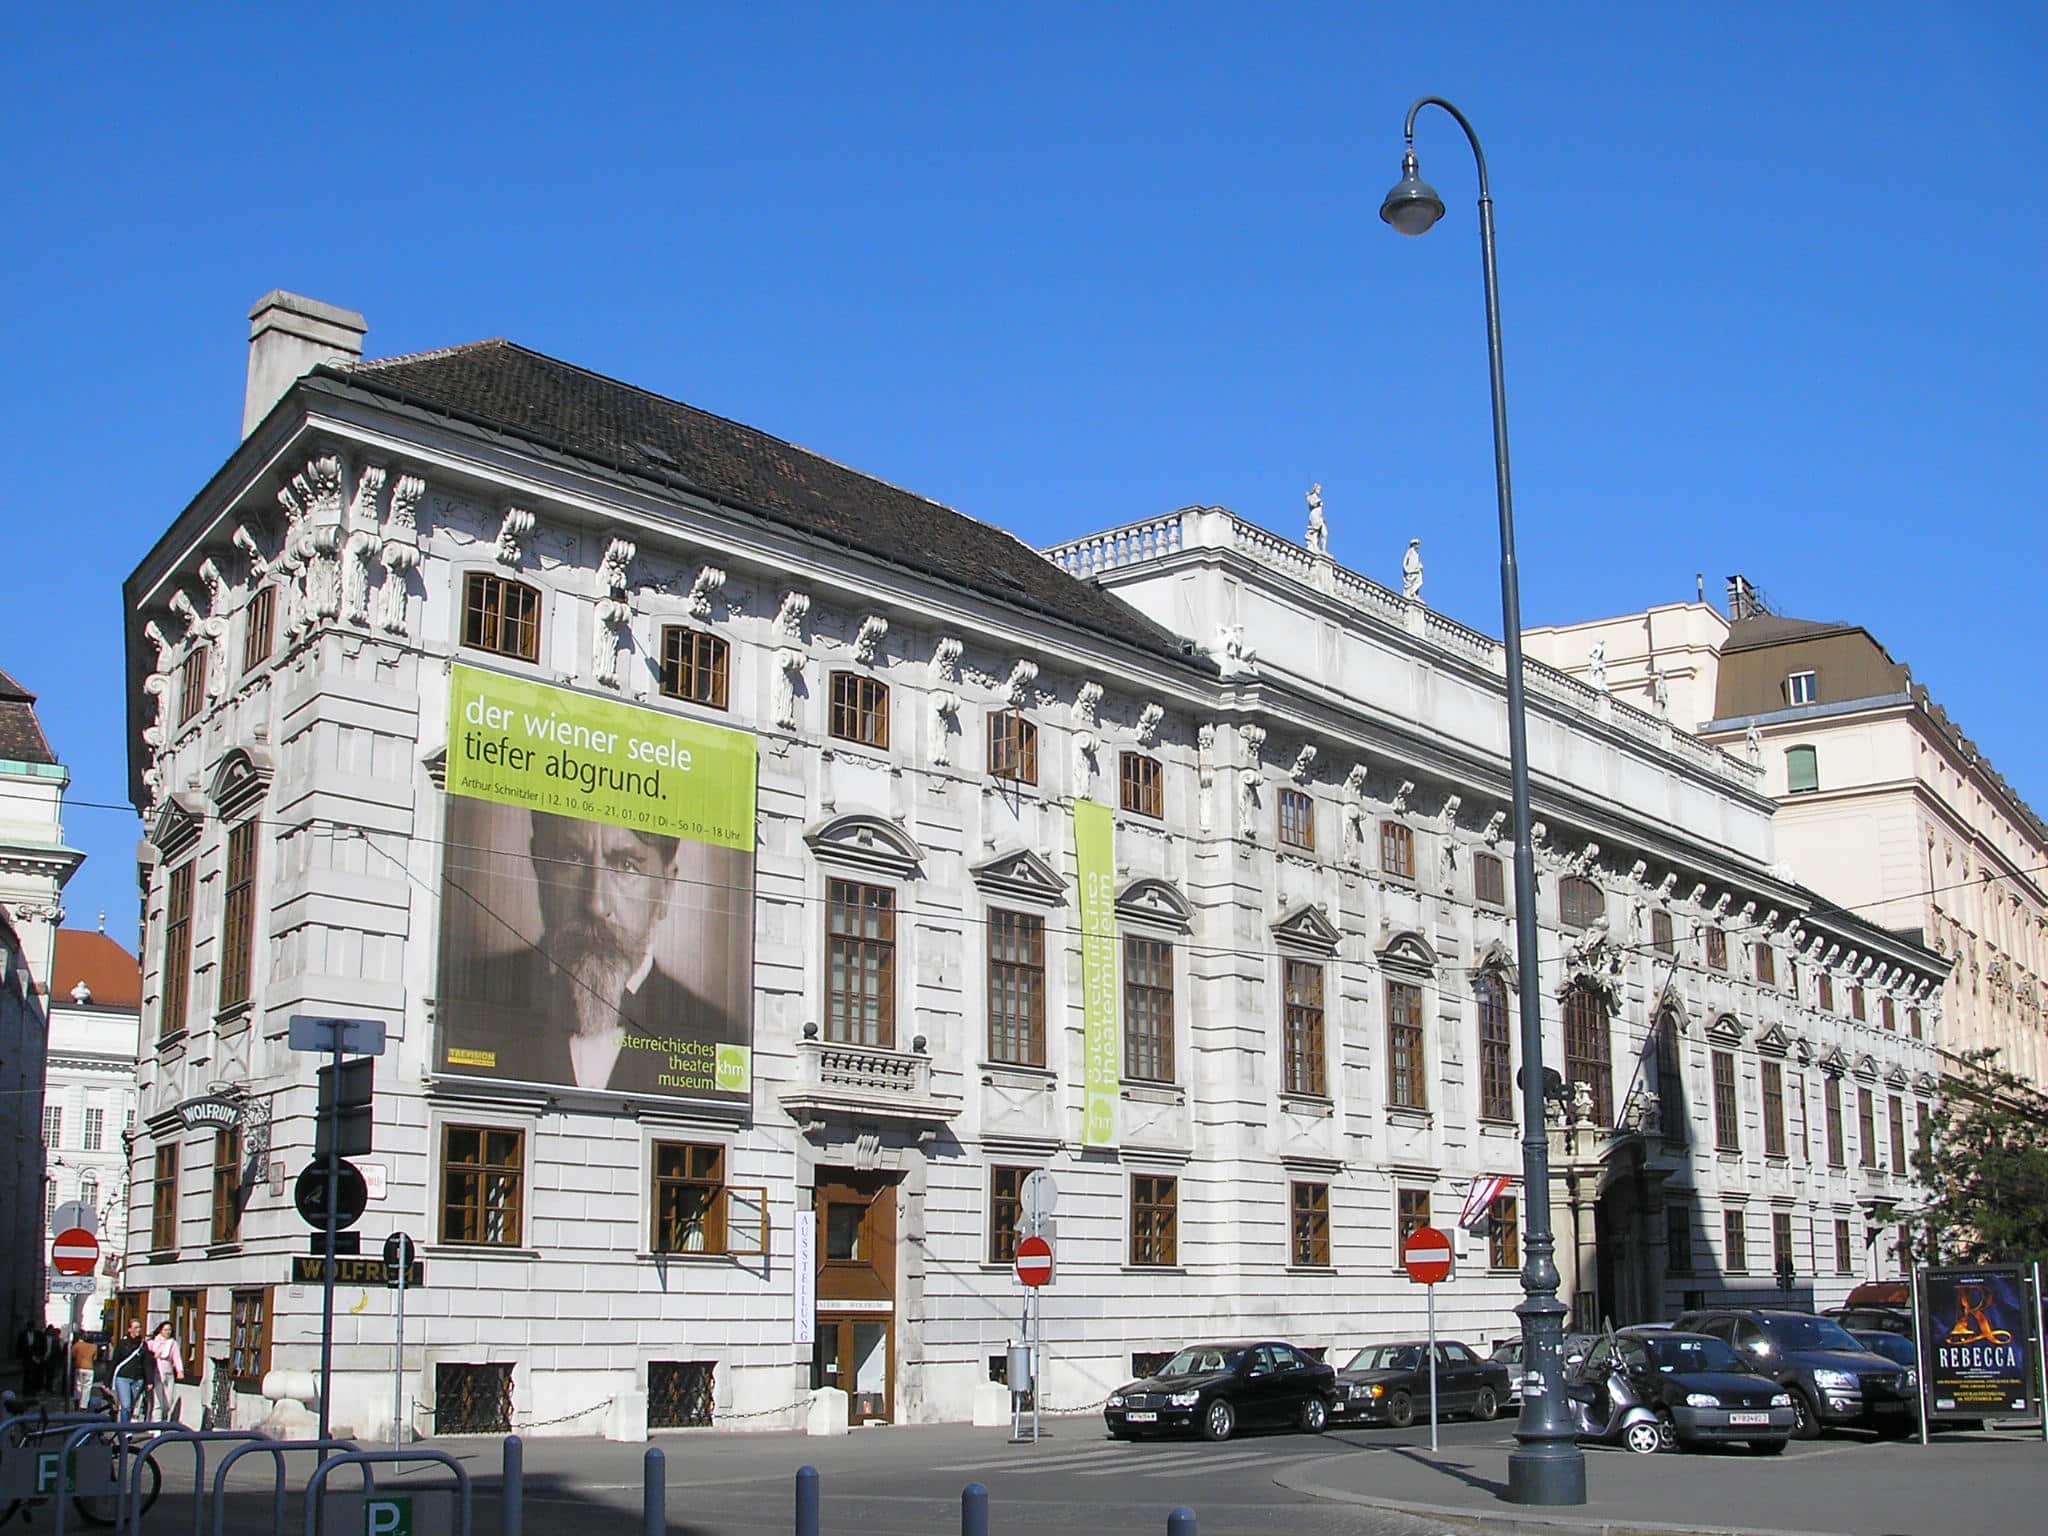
[(1511, 1522)]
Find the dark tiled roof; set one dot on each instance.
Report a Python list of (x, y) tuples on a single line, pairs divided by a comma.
[(110, 973), (1774, 629), (504, 387), (21, 734)]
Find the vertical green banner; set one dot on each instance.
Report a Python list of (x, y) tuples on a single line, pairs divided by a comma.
[(1101, 1040)]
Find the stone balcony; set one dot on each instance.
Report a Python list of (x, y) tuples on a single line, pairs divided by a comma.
[(865, 1082)]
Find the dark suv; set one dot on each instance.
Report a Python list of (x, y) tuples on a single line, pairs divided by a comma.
[(1833, 1379)]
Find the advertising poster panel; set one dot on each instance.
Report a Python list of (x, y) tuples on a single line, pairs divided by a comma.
[(1978, 1354), (1101, 1039), (597, 895)]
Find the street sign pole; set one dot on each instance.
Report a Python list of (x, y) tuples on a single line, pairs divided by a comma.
[(1920, 1350), (333, 1221), (1432, 1367), (2040, 1349), (398, 1425)]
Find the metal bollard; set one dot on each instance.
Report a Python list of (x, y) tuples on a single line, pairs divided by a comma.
[(974, 1510), (1181, 1522), (806, 1501), (514, 1502), (654, 1491)]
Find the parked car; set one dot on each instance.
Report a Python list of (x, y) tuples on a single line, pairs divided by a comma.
[(1833, 1379), (1389, 1383), (1874, 1319), (1218, 1389), (1508, 1352), (1700, 1388)]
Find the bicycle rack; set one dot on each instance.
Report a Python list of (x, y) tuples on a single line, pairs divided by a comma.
[(276, 1449), (120, 1429), (198, 1439), (368, 1459)]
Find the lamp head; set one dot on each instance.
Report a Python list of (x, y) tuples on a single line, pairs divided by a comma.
[(1413, 206)]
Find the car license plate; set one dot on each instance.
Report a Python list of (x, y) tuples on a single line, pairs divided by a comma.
[(1141, 1418), (1749, 1418)]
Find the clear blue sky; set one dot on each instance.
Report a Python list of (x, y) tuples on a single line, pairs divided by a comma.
[(1771, 274)]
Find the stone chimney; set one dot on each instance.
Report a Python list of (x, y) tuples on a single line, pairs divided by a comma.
[(289, 336)]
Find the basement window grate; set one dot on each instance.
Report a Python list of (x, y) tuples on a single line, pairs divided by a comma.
[(679, 1394), (473, 1399)]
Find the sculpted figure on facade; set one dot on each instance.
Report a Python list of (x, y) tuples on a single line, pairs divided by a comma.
[(215, 626), (1147, 728), (1660, 692), (1017, 688), (1411, 572), (944, 699), (320, 489), (1753, 746), (873, 630), (1205, 775), (1233, 657), (789, 656), (509, 550), (1086, 727), (1494, 823), (400, 555), (709, 583), (359, 541), (1596, 665), (1253, 740), (252, 551), (1318, 530), (614, 612), (1447, 842), (1354, 812), (1304, 764)]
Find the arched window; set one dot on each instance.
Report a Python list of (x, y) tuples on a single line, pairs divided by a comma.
[(1580, 902), (1802, 770), (89, 1192), (1587, 1056), (1496, 1050), (1670, 1080)]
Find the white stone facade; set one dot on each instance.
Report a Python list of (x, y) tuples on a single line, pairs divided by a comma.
[(334, 745)]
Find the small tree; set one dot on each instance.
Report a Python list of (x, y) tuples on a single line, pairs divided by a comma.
[(1984, 1164)]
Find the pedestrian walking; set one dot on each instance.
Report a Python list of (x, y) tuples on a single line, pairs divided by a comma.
[(170, 1368), (27, 1344), (134, 1370), (85, 1354), (51, 1354)]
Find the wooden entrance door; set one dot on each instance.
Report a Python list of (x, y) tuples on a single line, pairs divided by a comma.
[(856, 1333)]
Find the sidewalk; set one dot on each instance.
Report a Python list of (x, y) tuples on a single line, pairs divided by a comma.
[(1961, 1485)]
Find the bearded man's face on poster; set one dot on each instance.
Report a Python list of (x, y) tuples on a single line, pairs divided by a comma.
[(603, 891)]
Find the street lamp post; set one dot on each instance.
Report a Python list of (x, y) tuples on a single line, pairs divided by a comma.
[(1547, 1466)]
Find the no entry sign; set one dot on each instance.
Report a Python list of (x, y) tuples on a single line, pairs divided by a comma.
[(1034, 1261), (76, 1252), (1428, 1257)]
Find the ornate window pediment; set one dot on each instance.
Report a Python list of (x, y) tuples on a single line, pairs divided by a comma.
[(865, 841), (1774, 1041), (1866, 1066), (1833, 1062), (178, 824), (435, 761), (240, 779), (1408, 951), (1925, 1082), (1020, 875), (1803, 1049), (1155, 901), (1500, 960), (1726, 1030), (1896, 1078), (1307, 926)]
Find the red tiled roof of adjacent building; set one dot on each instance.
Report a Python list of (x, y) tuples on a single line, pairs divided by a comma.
[(113, 976), (21, 734)]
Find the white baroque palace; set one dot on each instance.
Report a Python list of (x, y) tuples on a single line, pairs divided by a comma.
[(1309, 1049)]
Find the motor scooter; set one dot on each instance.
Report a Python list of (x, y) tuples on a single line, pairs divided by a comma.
[(1607, 1408)]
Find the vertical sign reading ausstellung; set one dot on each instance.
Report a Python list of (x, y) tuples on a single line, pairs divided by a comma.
[(1977, 1345), (597, 908), (1101, 1041)]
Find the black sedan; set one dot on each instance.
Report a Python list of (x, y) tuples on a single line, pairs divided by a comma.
[(1218, 1389), (1701, 1388), (1389, 1384)]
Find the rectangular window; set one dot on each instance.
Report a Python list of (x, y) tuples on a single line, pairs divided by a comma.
[(1141, 784), (1913, 1022), (500, 616), (1845, 1258), (1489, 881), (1774, 1109), (1923, 1130), (1302, 1029), (1503, 1241), (1824, 992), (1735, 1242), (860, 964), (1802, 688), (1148, 1009), (259, 628), (95, 1129), (163, 1201), (1660, 933), (1856, 1008), (192, 686), (1005, 1210), (1297, 819), (1766, 965), (1016, 988), (1670, 1081), (1411, 1210), (695, 666), (1407, 1080), (1837, 1157), (188, 1327), (1727, 1111), (1580, 902), (227, 1186), (1866, 1128), (1496, 1052), (177, 977), (53, 1127), (1887, 1013), (1781, 1242), (1588, 1049), (860, 709), (1155, 1221), (483, 1185), (1397, 850), (249, 1338), (1802, 770), (1717, 949), (238, 916), (1012, 747), (1310, 1226), (1895, 1122), (1678, 1238), (689, 1197), (1805, 1124)]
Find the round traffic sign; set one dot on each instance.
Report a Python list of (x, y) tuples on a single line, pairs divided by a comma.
[(351, 1194), (1428, 1256), (74, 1252), (1034, 1261)]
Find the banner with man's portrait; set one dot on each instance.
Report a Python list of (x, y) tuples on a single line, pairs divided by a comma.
[(1978, 1349), (598, 895)]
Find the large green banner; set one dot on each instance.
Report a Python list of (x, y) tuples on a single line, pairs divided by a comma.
[(1101, 1040), (598, 876)]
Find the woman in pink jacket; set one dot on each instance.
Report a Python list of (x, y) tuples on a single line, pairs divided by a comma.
[(170, 1367)]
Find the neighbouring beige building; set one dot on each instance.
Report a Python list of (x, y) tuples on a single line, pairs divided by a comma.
[(1884, 804)]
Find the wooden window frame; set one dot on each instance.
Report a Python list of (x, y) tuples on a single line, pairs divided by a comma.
[(1735, 1240), (732, 1222), (1717, 949), (1308, 1224), (1489, 881), (1678, 1239), (1793, 690), (1580, 901), (696, 666), (238, 916), (1845, 1262), (175, 993), (1141, 785), (1155, 1221), (1582, 1030), (1304, 1051), (1831, 1104), (227, 1185), (1149, 1009), (1671, 1120), (1765, 961), (1296, 820), (1773, 1076), (1411, 1215), (1808, 756), (1913, 1025), (92, 1136), (1012, 746), (1407, 1047), (1866, 1127), (250, 1311), (1016, 988), (192, 686), (1824, 992), (1496, 1050), (500, 616), (1397, 850), (465, 1222), (259, 628), (1005, 1210), (1888, 1013), (860, 944), (1782, 1257), (1503, 1234), (1895, 1124), (163, 1199), (1727, 1104), (1858, 1009), (187, 1312), (859, 710), (1662, 939)]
